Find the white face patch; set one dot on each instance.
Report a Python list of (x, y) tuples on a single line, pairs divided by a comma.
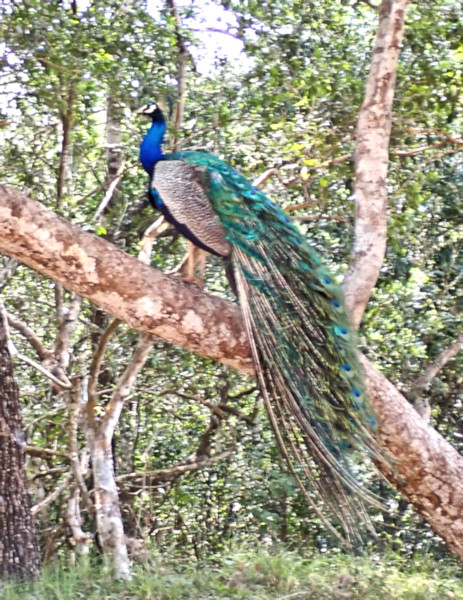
[(150, 109), (147, 109)]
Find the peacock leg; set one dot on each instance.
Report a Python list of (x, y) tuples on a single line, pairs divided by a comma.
[(193, 262), (200, 265), (180, 269)]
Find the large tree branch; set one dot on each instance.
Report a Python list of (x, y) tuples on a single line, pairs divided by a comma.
[(144, 298), (426, 468)]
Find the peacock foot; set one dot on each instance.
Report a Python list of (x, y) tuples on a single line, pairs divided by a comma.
[(183, 271)]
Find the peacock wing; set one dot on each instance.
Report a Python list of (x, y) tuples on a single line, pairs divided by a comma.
[(179, 192)]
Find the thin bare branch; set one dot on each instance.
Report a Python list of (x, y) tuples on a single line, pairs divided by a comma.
[(111, 188), (102, 186), (259, 181), (45, 453), (415, 151), (42, 351), (64, 169), (76, 410), (82, 539), (371, 4), (163, 475), (95, 367), (43, 504), (7, 272), (235, 36), (183, 55), (309, 218), (67, 325), (153, 231), (114, 155), (125, 384), (62, 383), (220, 410), (433, 367), (299, 206), (450, 138)]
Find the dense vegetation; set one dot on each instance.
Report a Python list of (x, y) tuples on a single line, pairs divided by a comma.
[(260, 575), (70, 76)]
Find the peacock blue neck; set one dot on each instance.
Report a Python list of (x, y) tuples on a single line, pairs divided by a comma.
[(151, 147)]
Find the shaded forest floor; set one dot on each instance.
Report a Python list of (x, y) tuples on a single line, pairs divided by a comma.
[(272, 575)]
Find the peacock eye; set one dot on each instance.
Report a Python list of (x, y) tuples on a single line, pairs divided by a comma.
[(341, 331)]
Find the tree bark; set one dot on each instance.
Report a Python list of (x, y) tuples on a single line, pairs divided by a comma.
[(18, 551), (372, 160), (108, 514), (99, 433), (144, 298), (425, 467), (114, 156), (64, 182), (107, 506)]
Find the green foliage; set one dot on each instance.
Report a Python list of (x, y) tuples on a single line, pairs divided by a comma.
[(261, 575), (291, 104)]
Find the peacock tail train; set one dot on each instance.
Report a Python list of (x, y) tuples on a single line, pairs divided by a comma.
[(301, 340)]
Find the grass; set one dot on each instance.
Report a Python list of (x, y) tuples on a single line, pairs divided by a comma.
[(263, 575)]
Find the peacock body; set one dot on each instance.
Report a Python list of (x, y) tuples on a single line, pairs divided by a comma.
[(301, 340)]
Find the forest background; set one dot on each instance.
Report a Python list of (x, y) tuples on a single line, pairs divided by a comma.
[(196, 469)]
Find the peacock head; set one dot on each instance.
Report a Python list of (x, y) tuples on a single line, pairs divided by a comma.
[(151, 110)]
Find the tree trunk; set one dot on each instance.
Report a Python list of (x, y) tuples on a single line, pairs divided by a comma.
[(18, 550), (107, 506), (99, 432), (372, 161), (114, 158)]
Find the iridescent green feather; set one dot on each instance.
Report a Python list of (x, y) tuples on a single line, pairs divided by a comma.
[(301, 339)]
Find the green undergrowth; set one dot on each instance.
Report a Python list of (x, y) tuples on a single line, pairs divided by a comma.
[(263, 575)]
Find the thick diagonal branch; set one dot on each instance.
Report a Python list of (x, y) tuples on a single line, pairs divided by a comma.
[(144, 298)]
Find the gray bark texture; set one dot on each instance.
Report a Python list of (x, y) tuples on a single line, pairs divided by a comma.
[(18, 551), (107, 506)]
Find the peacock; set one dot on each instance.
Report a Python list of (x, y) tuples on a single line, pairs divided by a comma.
[(300, 337)]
